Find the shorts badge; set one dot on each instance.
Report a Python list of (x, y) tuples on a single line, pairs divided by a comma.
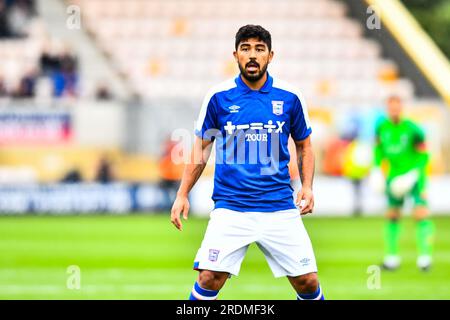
[(213, 254)]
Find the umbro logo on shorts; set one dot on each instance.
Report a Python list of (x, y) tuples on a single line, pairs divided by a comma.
[(305, 262), (213, 255)]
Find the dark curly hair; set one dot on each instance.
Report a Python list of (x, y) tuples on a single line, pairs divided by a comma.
[(253, 31)]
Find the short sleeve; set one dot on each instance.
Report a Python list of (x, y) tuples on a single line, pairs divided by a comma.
[(419, 135), (207, 119), (378, 124), (300, 125)]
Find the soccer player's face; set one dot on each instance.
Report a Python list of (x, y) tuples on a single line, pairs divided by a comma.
[(394, 109), (253, 57)]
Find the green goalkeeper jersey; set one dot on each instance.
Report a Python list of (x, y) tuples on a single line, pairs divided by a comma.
[(401, 145)]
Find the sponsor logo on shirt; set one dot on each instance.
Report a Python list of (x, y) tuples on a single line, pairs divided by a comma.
[(270, 126)]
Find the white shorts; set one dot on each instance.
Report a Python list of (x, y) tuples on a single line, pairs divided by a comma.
[(280, 235)]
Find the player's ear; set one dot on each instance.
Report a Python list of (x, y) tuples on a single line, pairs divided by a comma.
[(271, 56), (235, 56)]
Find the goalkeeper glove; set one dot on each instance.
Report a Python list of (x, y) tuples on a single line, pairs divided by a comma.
[(403, 184)]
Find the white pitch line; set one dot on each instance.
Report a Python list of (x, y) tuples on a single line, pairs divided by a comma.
[(91, 289)]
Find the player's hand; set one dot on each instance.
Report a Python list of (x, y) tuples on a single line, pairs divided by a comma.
[(305, 201), (180, 205)]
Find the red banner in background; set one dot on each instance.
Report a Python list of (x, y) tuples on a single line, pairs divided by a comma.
[(35, 127)]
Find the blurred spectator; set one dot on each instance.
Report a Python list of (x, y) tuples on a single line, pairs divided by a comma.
[(333, 159), (170, 174), (102, 92), (72, 176), (66, 78), (49, 63), (5, 32), (68, 61), (19, 15), (15, 16), (64, 84), (62, 68), (104, 171), (3, 91), (57, 63), (357, 164), (29, 5), (27, 85)]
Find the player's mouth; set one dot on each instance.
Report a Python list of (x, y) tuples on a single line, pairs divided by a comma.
[(252, 67)]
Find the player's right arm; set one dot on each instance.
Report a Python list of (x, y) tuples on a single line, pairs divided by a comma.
[(378, 150), (192, 172), (377, 178), (205, 131)]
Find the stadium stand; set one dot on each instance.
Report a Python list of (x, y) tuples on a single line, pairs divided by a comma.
[(33, 63), (319, 48)]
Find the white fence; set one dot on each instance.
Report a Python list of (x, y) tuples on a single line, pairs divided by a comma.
[(336, 197)]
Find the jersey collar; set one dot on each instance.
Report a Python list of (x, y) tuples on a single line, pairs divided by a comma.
[(265, 88)]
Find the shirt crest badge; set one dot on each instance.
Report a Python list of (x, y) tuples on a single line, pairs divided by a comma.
[(277, 107)]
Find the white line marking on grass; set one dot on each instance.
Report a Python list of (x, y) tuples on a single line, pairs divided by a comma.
[(95, 289)]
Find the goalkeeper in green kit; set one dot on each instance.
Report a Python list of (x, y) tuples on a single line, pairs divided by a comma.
[(400, 144)]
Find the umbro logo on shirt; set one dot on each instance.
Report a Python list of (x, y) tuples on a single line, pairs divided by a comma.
[(234, 109)]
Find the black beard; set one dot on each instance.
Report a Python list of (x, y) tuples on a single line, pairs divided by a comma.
[(253, 77)]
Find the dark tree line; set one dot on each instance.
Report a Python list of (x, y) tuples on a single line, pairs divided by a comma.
[(434, 16)]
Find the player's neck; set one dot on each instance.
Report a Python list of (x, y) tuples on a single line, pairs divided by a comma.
[(255, 85), (396, 120)]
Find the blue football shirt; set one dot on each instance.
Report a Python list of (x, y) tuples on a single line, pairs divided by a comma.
[(251, 130)]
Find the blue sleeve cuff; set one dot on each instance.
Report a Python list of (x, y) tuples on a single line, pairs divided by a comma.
[(304, 136)]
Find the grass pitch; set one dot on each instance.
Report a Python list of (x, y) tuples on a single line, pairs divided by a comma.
[(145, 257)]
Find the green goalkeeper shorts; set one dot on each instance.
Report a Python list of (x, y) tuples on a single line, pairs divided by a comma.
[(417, 193)]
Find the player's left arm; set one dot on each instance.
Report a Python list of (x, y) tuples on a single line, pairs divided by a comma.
[(305, 160)]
